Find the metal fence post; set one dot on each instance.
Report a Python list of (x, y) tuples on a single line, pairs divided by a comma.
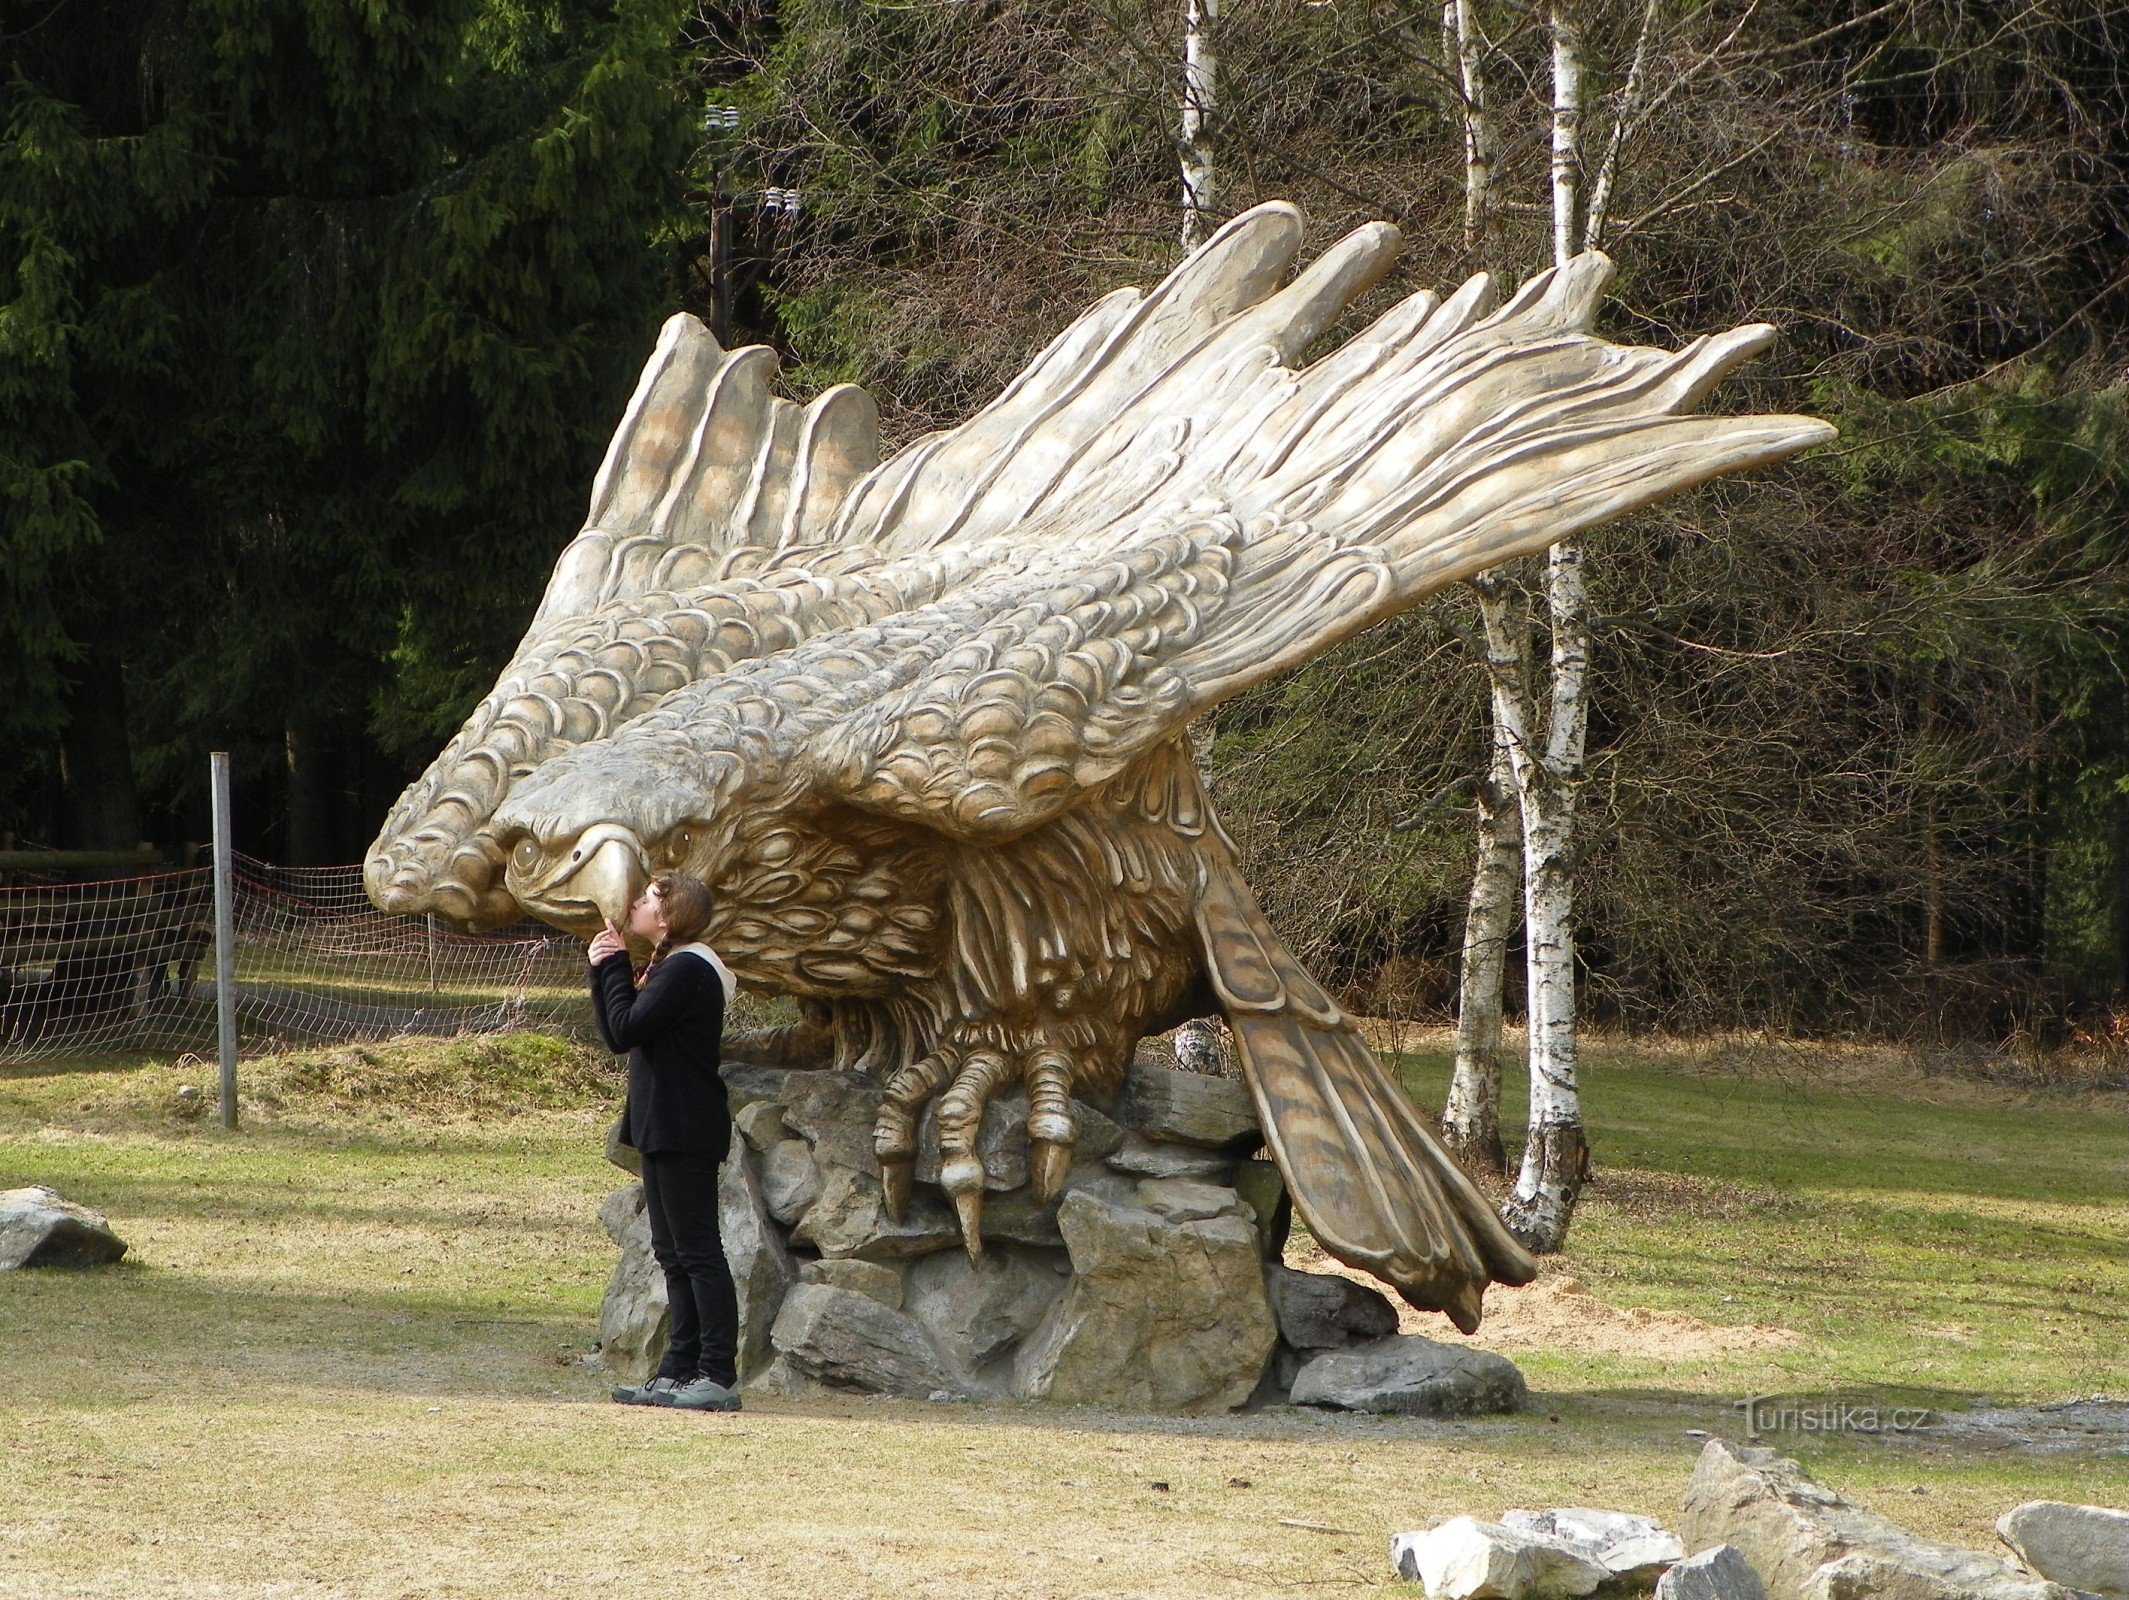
[(225, 938)]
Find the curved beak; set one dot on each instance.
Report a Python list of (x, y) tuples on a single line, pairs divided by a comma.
[(595, 882)]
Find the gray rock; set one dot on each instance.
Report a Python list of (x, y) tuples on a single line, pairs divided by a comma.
[(1263, 1186), (40, 1229), (980, 1312), (850, 1341), (632, 1321), (1143, 1158), (1466, 1559), (622, 1155), (867, 1278), (746, 1085), (1718, 1574), (761, 1125), (1191, 1200), (1635, 1549), (1323, 1311), (2086, 1547), (1414, 1377), (1189, 1108), (1806, 1541), (790, 1182), (1159, 1315), (834, 1111), (762, 1268)]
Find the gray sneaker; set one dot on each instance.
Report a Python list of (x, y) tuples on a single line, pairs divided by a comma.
[(704, 1394), (645, 1394)]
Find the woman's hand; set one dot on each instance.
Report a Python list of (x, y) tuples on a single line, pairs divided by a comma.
[(608, 941)]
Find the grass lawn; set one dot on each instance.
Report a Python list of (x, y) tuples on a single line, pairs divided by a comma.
[(343, 1355)]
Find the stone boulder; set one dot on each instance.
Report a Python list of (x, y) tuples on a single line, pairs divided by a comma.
[(980, 1311), (2086, 1547), (1466, 1559), (1160, 1314), (762, 1268), (1143, 1158), (1324, 1311), (1718, 1574), (849, 1340), (1634, 1550), (40, 1229), (1189, 1108), (632, 1323), (869, 1278), (1263, 1186), (834, 1112), (1407, 1375), (1807, 1543), (790, 1181)]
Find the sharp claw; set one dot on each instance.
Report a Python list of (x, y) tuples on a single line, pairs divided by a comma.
[(962, 1177), (1049, 1163), (895, 1176), (970, 1205)]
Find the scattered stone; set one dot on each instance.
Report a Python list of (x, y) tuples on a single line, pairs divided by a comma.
[(1190, 1200), (1159, 1315), (1635, 1549), (1324, 1311), (1143, 1158), (1263, 1186), (189, 1101), (850, 1341), (790, 1182), (1805, 1540), (1189, 1108), (1718, 1574), (1466, 1559), (40, 1229), (761, 1125), (2086, 1547), (980, 1312), (1407, 1375)]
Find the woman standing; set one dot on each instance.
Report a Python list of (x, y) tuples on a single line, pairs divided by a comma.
[(670, 1020)]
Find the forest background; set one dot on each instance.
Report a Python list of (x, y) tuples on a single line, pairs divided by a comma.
[(314, 320)]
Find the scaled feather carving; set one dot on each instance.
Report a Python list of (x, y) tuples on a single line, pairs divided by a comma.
[(920, 724)]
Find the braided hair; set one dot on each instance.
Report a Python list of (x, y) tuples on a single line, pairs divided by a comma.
[(688, 905)]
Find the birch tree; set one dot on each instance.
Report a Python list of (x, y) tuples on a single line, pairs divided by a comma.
[(1201, 101)]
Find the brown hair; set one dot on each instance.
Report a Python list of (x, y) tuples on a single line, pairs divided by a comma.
[(688, 905)]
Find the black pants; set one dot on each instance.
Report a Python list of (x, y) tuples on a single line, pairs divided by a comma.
[(680, 1194)]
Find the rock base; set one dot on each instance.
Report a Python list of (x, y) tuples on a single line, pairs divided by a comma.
[(1148, 1283), (40, 1229)]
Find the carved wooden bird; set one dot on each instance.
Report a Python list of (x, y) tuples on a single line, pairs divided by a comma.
[(921, 725)]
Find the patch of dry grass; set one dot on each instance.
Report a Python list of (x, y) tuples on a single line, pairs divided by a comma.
[(344, 1359)]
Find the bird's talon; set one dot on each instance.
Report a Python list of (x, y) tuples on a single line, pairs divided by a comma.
[(896, 1174), (1049, 1163), (969, 1203)]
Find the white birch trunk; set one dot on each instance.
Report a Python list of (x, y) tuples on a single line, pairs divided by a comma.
[(1566, 134), (1469, 63), (1556, 1150), (1201, 100), (1555, 1153), (1471, 1119)]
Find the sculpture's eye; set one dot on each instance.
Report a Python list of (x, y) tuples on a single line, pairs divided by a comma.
[(680, 846), (526, 856)]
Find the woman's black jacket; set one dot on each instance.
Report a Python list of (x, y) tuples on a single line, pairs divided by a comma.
[(671, 1028)]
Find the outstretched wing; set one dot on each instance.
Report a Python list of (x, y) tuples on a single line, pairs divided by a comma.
[(1440, 442)]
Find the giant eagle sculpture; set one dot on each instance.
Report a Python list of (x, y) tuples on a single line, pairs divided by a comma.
[(921, 723)]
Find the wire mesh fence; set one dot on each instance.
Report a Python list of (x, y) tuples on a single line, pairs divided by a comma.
[(128, 964)]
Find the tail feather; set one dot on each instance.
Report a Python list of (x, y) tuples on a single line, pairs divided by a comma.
[(1374, 1184)]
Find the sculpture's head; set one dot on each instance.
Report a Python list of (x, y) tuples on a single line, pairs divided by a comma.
[(583, 834)]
